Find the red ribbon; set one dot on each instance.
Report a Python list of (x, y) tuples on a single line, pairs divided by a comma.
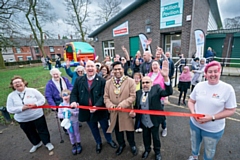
[(151, 112)]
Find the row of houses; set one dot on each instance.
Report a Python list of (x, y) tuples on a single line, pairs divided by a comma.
[(25, 49)]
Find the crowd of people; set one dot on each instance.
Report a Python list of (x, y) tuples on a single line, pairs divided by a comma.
[(126, 83)]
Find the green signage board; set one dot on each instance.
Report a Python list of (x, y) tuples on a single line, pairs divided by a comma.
[(171, 13)]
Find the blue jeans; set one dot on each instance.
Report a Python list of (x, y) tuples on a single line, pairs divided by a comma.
[(164, 123), (209, 139), (95, 131)]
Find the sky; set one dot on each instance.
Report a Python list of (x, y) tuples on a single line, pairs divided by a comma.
[(227, 9)]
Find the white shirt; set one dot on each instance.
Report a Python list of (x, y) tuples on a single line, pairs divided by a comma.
[(57, 83), (212, 99), (32, 96)]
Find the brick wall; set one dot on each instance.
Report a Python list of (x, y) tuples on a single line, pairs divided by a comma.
[(25, 51), (151, 11), (199, 21)]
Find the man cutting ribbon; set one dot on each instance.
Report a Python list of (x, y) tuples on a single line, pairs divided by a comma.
[(149, 99)]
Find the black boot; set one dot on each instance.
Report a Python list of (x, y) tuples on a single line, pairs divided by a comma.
[(74, 149), (184, 102), (179, 102)]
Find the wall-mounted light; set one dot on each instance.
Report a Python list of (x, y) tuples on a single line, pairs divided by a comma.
[(232, 46), (148, 29), (96, 39)]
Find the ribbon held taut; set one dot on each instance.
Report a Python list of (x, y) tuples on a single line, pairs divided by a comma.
[(150, 112)]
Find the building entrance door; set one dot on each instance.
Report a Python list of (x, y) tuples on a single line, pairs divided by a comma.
[(134, 45), (175, 47), (173, 44)]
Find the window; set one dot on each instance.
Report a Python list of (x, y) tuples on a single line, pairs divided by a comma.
[(108, 48), (10, 60), (51, 48), (36, 49), (20, 58), (18, 50), (29, 58)]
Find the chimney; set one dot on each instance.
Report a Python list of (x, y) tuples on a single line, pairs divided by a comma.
[(71, 36), (58, 36), (30, 37), (45, 36)]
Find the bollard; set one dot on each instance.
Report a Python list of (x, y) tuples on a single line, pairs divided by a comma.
[(5, 113)]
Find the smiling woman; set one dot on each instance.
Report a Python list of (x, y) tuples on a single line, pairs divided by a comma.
[(32, 121)]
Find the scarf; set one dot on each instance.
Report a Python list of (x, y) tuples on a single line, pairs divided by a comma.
[(185, 76)]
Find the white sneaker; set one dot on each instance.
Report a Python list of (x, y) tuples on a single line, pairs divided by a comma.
[(164, 132), (192, 158), (99, 126), (34, 148), (137, 130), (140, 130), (49, 146)]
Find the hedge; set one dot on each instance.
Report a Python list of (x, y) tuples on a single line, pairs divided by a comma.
[(22, 62)]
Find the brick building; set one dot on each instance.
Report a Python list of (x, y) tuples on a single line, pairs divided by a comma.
[(170, 23), (27, 49)]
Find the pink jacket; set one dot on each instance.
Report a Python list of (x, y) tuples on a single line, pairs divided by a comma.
[(158, 80)]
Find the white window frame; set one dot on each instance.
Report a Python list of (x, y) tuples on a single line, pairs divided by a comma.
[(108, 50), (36, 48), (18, 50), (20, 58), (51, 49), (29, 57)]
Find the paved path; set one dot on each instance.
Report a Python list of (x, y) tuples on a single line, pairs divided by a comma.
[(176, 146)]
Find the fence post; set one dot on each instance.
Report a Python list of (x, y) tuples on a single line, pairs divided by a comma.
[(222, 66), (175, 84)]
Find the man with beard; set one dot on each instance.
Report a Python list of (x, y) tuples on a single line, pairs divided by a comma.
[(149, 99), (120, 92), (88, 90)]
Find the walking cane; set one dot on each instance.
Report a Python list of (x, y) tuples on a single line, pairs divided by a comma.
[(62, 141)]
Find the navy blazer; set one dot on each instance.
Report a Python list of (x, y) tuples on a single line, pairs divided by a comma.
[(81, 95)]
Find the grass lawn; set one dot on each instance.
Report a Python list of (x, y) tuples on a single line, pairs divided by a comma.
[(37, 78)]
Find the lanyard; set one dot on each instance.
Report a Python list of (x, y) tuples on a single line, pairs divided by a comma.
[(22, 98)]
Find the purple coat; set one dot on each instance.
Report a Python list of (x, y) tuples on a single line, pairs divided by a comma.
[(52, 94)]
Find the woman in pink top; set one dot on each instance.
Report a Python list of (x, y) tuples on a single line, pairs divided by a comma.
[(184, 84), (157, 78)]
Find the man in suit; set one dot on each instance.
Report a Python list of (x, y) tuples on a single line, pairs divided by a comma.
[(120, 92), (88, 90), (171, 65), (149, 99)]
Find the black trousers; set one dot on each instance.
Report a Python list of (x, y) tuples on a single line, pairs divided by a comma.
[(120, 136), (147, 134), (36, 130)]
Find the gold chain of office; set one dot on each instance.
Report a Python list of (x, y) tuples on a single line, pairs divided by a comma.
[(117, 90)]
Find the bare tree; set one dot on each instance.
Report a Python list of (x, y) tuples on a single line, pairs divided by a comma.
[(78, 16), (7, 26), (108, 9), (37, 13), (230, 23)]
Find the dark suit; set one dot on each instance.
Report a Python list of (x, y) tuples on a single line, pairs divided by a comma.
[(82, 94), (154, 96)]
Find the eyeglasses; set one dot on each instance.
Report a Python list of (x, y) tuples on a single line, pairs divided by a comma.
[(145, 82), (65, 94), (79, 71), (122, 59), (16, 82)]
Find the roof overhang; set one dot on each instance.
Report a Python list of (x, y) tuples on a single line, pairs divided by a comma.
[(123, 13), (215, 12)]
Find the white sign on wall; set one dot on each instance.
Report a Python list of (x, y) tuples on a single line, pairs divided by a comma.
[(171, 12), (121, 29)]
